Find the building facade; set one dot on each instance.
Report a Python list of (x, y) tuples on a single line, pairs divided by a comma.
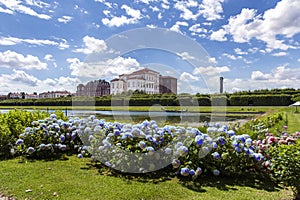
[(54, 94), (146, 80), (94, 89), (167, 85), (31, 96)]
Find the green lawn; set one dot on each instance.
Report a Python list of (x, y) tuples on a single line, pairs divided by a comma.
[(293, 121), (74, 179), (200, 109)]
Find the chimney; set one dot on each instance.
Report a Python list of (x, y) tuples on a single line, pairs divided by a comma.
[(221, 84)]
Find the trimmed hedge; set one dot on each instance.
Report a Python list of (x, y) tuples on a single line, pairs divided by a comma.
[(164, 100), (260, 100)]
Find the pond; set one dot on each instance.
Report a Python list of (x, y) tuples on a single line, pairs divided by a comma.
[(162, 117)]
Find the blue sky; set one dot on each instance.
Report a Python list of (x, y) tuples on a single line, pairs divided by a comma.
[(55, 45)]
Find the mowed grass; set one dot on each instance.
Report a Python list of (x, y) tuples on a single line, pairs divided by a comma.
[(201, 109), (293, 121), (74, 179)]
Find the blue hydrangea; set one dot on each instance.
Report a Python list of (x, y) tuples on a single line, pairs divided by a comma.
[(216, 172), (199, 139), (176, 163), (19, 142), (30, 150), (192, 172), (62, 138), (79, 156), (42, 146), (221, 140), (168, 151), (230, 133), (150, 150), (214, 145), (142, 144), (182, 151), (184, 171), (198, 171), (216, 155), (248, 142)]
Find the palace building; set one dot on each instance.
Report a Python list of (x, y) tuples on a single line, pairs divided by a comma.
[(94, 88), (147, 80)]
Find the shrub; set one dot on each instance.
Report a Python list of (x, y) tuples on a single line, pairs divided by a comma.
[(48, 138), (285, 162)]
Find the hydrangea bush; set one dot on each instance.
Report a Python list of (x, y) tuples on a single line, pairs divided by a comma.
[(146, 147), (48, 138)]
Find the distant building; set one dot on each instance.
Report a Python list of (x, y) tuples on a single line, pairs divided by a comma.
[(146, 80), (54, 94), (3, 97), (167, 85), (31, 96), (15, 95), (94, 88), (118, 85)]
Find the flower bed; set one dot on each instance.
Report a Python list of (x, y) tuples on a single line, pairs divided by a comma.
[(146, 147)]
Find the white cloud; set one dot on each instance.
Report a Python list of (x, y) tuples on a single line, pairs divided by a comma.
[(92, 45), (151, 26), (232, 57), (19, 77), (187, 14), (154, 8), (240, 52), (279, 77), (165, 6), (186, 56), (118, 21), (159, 16), (258, 75), (196, 28), (136, 14), (188, 77), (107, 13), (20, 81), (211, 9), (134, 17), (279, 54), (8, 41), (176, 26), (16, 6), (37, 3), (14, 59), (7, 11), (212, 60), (218, 35), (210, 70), (48, 57), (282, 20), (108, 68), (280, 73), (50, 82), (65, 19)]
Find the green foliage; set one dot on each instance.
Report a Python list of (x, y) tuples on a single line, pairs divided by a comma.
[(260, 100), (285, 165), (13, 123), (272, 123), (219, 100)]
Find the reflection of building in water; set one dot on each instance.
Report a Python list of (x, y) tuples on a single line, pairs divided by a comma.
[(146, 80), (94, 88)]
